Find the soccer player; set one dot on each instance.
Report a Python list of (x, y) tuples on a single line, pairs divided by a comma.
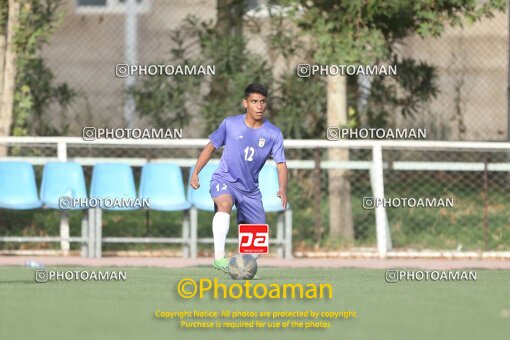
[(249, 140)]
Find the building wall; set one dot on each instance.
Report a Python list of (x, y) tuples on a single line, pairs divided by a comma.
[(86, 48), (472, 64)]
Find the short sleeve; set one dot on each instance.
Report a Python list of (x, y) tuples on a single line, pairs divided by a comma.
[(277, 152), (219, 136)]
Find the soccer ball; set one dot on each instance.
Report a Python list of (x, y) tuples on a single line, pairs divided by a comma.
[(242, 267)]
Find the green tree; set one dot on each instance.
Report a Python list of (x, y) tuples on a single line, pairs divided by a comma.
[(36, 93), (367, 32), (166, 100)]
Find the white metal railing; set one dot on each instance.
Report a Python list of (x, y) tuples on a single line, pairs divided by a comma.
[(62, 143), (376, 166), (289, 143)]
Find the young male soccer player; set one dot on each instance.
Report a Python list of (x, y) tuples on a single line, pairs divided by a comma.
[(249, 140)]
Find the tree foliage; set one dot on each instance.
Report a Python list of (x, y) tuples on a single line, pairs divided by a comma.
[(369, 32), (317, 31), (364, 31), (169, 100), (36, 92)]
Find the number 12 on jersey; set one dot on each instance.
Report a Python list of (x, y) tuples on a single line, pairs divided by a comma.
[(249, 151), (223, 187)]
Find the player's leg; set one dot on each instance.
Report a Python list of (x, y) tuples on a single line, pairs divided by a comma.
[(221, 222), (251, 211), (223, 202)]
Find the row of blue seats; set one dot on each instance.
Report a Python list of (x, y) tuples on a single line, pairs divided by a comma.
[(162, 183)]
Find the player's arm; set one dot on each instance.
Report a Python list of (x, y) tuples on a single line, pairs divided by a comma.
[(283, 175), (216, 140), (202, 160)]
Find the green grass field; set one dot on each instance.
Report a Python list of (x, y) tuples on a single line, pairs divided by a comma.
[(125, 309)]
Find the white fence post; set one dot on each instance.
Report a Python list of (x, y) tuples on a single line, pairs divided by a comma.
[(62, 151), (91, 232), (64, 217), (381, 219), (288, 234), (193, 233), (98, 215)]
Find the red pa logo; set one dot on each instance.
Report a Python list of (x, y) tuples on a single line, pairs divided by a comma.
[(253, 239)]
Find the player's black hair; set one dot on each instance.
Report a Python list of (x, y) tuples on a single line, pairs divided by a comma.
[(255, 88)]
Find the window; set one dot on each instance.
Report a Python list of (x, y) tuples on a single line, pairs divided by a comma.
[(109, 6), (124, 1), (91, 3), (263, 8)]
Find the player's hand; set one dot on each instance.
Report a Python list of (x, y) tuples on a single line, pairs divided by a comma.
[(283, 197), (195, 184)]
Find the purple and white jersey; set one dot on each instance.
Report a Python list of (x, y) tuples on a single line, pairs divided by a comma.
[(246, 151)]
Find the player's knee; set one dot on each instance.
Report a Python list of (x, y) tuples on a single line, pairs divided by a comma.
[(225, 206)]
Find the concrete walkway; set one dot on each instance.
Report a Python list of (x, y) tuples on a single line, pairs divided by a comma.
[(173, 262)]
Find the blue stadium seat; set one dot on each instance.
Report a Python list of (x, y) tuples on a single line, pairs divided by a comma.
[(201, 198), (113, 180), (163, 185), (18, 189), (268, 185), (62, 179)]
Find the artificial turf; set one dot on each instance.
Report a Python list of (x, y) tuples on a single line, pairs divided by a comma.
[(126, 309)]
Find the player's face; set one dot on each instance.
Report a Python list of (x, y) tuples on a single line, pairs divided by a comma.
[(255, 106)]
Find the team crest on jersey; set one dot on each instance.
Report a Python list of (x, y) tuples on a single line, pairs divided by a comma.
[(262, 142)]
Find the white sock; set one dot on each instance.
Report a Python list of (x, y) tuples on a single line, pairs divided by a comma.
[(220, 225)]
